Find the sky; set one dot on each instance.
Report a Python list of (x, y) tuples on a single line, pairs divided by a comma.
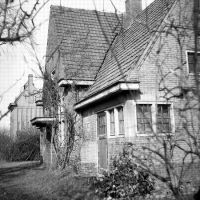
[(17, 61)]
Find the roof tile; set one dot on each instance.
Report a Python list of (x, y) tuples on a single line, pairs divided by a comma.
[(130, 45), (82, 42)]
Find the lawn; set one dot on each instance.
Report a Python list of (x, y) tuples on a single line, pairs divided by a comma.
[(29, 181)]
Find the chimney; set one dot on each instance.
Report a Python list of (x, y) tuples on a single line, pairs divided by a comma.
[(133, 8), (30, 83), (30, 79)]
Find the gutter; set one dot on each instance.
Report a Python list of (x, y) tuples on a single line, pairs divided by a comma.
[(107, 92), (64, 82)]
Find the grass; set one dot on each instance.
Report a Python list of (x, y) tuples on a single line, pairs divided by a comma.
[(31, 182)]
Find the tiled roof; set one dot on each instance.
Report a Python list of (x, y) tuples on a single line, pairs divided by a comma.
[(130, 45), (82, 42)]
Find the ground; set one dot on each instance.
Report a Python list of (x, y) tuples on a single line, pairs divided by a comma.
[(31, 181)]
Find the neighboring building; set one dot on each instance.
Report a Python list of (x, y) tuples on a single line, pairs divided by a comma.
[(24, 108), (114, 74)]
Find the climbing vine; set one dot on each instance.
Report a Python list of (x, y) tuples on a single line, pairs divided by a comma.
[(65, 142)]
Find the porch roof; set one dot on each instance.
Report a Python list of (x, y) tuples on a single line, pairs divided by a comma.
[(115, 88), (42, 121)]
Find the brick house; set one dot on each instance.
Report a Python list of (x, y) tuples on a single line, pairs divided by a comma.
[(127, 83), (24, 108), (76, 47), (141, 86)]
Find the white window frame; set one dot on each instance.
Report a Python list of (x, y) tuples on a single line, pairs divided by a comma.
[(152, 117), (187, 63), (106, 115), (109, 121), (107, 111), (154, 122), (171, 114), (117, 108)]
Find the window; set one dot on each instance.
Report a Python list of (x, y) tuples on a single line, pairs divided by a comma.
[(101, 124), (163, 118), (144, 118), (112, 122), (191, 62), (121, 120)]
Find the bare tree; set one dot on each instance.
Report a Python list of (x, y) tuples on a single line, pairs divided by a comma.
[(161, 150), (175, 154), (17, 19)]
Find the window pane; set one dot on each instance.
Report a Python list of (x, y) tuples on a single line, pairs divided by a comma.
[(101, 123), (191, 62), (112, 122), (144, 119), (120, 111), (121, 120), (163, 118)]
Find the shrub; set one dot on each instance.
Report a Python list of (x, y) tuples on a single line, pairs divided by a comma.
[(27, 146), (5, 145), (126, 181)]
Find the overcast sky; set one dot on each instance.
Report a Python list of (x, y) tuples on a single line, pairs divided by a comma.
[(16, 61)]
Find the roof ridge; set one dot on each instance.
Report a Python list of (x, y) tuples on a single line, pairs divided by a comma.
[(81, 9)]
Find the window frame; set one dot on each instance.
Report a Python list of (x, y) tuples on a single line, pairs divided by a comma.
[(100, 114), (154, 113), (137, 130), (120, 120), (169, 118), (107, 112), (187, 61), (112, 133)]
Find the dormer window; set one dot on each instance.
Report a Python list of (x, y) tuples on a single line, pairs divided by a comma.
[(191, 62)]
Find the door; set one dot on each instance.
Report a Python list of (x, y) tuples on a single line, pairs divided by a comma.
[(102, 142)]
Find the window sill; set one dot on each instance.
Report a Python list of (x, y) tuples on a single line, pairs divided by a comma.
[(116, 136), (154, 134), (192, 74)]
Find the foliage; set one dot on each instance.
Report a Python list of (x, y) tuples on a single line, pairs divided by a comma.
[(26, 146), (5, 144), (65, 141), (50, 93), (126, 180), (17, 19)]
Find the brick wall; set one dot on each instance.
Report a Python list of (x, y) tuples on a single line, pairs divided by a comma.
[(166, 58)]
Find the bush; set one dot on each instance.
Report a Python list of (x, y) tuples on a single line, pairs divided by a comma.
[(126, 181), (5, 145), (27, 146)]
